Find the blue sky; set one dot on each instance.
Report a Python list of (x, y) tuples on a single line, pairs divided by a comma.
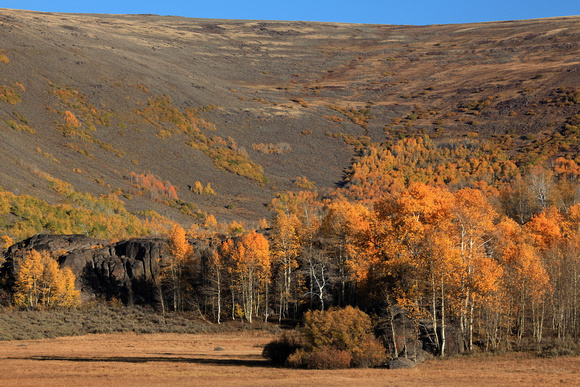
[(417, 12)]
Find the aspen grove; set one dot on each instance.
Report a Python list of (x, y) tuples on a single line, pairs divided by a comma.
[(496, 259)]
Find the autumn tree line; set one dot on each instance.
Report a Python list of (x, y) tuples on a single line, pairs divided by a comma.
[(455, 234), (446, 256), (495, 255)]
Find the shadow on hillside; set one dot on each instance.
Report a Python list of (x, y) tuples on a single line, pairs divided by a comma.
[(139, 359)]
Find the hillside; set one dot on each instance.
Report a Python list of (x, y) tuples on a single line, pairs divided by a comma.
[(145, 106)]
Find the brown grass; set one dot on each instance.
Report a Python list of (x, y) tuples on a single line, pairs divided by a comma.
[(233, 358)]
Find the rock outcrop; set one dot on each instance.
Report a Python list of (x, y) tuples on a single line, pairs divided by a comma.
[(126, 270)]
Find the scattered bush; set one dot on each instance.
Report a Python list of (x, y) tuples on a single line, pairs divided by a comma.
[(198, 189), (334, 118), (566, 97), (163, 114), (235, 228), (357, 116), (300, 101), (162, 133), (10, 94), (303, 182), (337, 338), (19, 126), (280, 148), (153, 185)]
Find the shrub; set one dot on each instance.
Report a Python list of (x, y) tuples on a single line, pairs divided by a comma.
[(298, 359), (347, 329), (337, 338), (281, 349), (369, 353), (329, 358), (208, 190), (326, 358)]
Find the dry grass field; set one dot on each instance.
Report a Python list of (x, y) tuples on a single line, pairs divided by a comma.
[(219, 359)]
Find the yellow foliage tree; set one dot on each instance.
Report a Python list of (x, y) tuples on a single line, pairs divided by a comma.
[(251, 267), (40, 282), (180, 253), (208, 190), (197, 188), (235, 228), (262, 224), (210, 222), (525, 279), (285, 248), (6, 241)]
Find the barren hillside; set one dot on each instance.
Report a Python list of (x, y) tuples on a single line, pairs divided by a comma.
[(254, 108)]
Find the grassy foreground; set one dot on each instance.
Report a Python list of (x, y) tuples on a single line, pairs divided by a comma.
[(233, 359), (107, 318)]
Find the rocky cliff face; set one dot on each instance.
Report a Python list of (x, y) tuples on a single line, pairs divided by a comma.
[(126, 269)]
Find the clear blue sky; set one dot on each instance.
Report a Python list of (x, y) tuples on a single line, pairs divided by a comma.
[(418, 12)]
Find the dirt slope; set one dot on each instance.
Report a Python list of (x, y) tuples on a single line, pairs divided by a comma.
[(289, 84)]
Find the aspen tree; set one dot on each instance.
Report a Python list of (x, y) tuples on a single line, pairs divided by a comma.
[(180, 254), (40, 282)]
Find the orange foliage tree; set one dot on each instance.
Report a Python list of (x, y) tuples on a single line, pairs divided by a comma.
[(175, 263), (473, 221)]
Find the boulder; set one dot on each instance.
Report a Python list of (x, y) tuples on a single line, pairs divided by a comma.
[(401, 363)]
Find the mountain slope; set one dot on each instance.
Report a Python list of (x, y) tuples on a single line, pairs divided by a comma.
[(106, 102)]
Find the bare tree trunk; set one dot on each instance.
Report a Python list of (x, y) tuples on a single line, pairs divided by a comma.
[(434, 309), (521, 317), (393, 333), (471, 306), (575, 301), (443, 338), (233, 303), (321, 284), (281, 308), (219, 297), (542, 321), (161, 298), (266, 305)]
